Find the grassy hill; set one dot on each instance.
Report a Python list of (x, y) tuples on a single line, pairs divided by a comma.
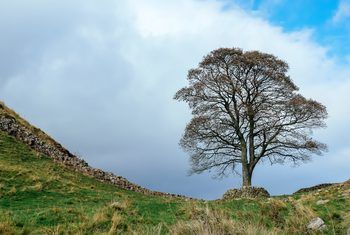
[(39, 196)]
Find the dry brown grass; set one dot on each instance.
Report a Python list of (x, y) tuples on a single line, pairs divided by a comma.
[(110, 215), (36, 187), (120, 205), (116, 220), (274, 210), (346, 222), (6, 224), (6, 228), (14, 168), (302, 215), (13, 190), (101, 216), (34, 178), (206, 221)]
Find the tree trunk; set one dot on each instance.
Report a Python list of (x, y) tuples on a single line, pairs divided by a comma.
[(247, 176), (246, 172)]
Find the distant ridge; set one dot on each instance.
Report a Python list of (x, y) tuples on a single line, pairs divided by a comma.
[(14, 125)]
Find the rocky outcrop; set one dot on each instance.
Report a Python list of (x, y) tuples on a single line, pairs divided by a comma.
[(246, 192), (42, 143)]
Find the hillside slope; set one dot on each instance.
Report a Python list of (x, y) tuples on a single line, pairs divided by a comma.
[(14, 125), (39, 195)]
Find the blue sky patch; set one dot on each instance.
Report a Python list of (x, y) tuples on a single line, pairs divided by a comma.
[(316, 15)]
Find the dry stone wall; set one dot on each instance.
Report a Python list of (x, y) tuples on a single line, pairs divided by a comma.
[(314, 188), (54, 150)]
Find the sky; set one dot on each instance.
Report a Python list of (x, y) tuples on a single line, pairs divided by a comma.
[(100, 77)]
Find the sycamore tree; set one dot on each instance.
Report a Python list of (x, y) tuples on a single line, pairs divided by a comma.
[(246, 109)]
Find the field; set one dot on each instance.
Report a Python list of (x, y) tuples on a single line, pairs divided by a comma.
[(38, 196)]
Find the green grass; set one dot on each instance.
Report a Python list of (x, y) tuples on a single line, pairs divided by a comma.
[(38, 196), (36, 193)]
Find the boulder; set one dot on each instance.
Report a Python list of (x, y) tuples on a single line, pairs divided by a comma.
[(322, 202), (246, 192), (316, 224)]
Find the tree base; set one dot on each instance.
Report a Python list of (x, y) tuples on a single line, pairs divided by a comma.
[(246, 192)]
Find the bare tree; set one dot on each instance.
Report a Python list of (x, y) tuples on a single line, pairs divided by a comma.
[(246, 109)]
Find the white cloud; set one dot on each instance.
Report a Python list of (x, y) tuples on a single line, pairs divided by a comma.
[(102, 82), (343, 11)]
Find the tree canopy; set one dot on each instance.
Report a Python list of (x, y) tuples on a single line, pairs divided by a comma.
[(245, 109)]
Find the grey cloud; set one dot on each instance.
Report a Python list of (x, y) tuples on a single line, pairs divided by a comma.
[(100, 77)]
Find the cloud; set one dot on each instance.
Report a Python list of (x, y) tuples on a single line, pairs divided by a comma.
[(343, 11), (100, 78)]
